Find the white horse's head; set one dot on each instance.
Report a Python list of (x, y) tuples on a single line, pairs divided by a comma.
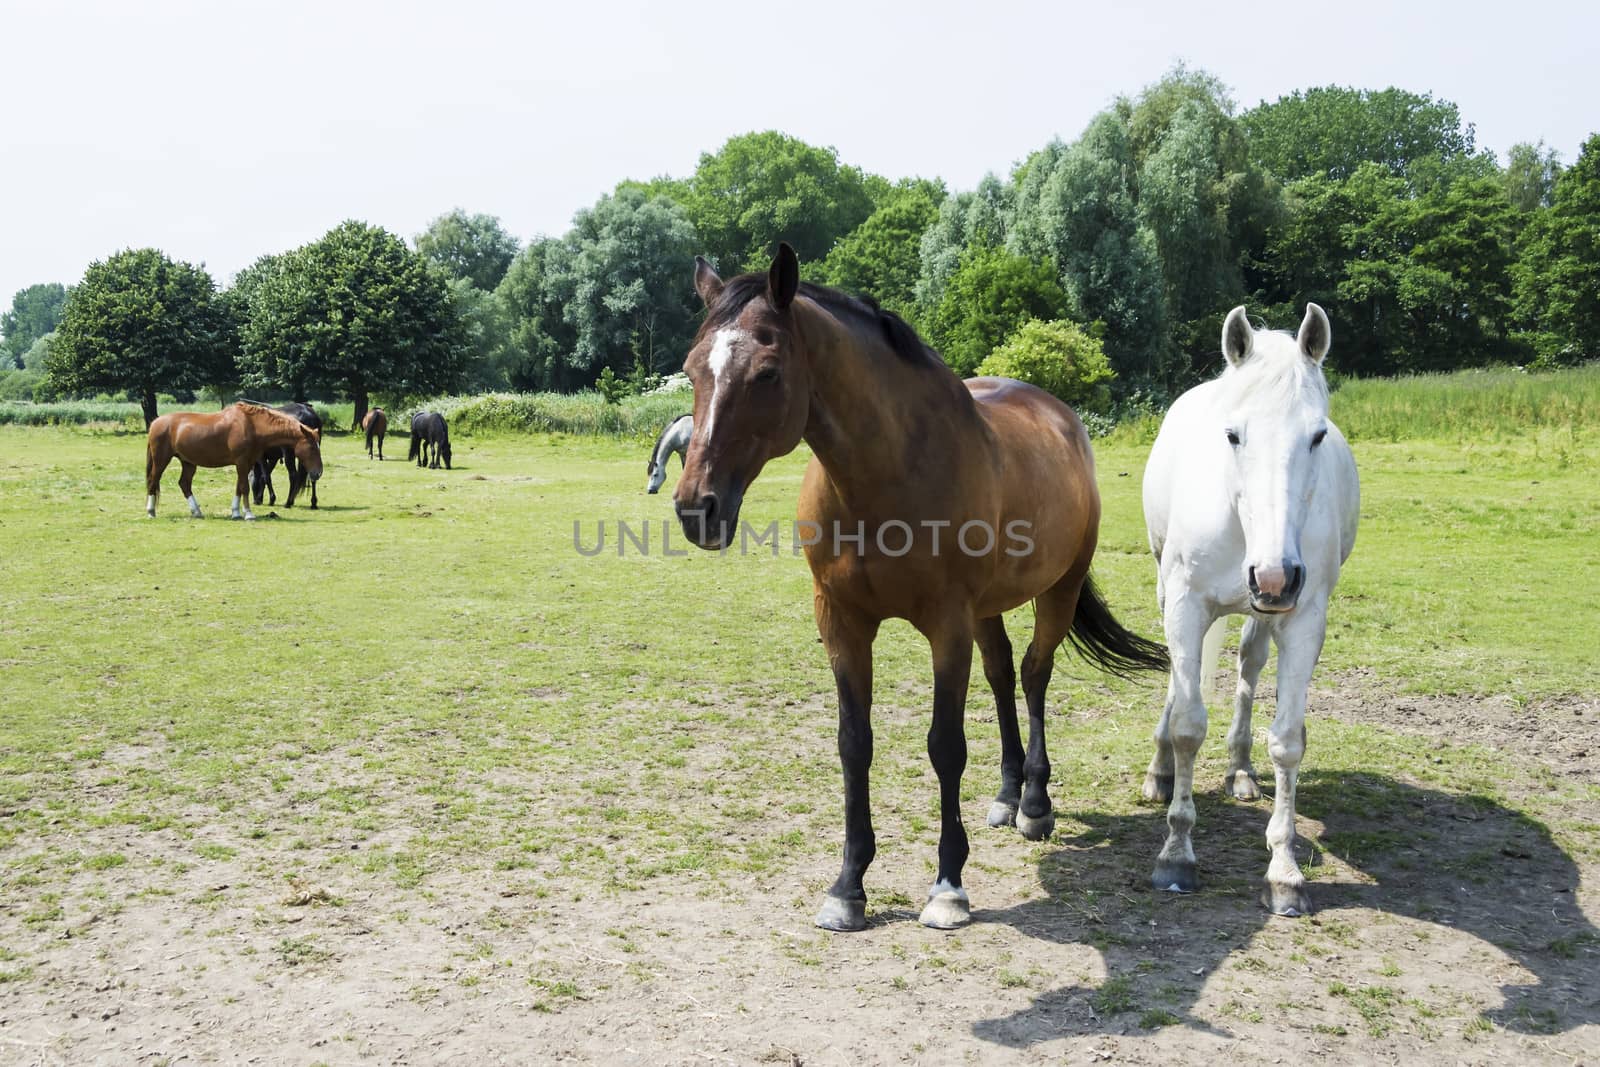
[(658, 474), (1274, 415)]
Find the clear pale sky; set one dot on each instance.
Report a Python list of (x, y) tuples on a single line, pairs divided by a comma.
[(222, 130)]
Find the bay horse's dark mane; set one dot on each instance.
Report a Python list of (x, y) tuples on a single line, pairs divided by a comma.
[(897, 332)]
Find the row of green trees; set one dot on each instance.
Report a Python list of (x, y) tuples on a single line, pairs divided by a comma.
[(1170, 208)]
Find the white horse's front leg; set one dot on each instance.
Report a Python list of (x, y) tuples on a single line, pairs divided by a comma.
[(1299, 645), (1240, 782), (1186, 624)]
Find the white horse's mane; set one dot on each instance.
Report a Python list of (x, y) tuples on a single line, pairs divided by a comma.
[(1275, 376)]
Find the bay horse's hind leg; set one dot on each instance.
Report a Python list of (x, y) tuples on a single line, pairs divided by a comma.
[(947, 905), (848, 640), (1000, 671), (1240, 782), (241, 493), (186, 483), (157, 457), (1054, 610)]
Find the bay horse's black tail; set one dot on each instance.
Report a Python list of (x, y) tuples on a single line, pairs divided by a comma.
[(1104, 641)]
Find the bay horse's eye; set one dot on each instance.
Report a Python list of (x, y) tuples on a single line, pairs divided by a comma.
[(766, 375), (1233, 438), (1316, 438)]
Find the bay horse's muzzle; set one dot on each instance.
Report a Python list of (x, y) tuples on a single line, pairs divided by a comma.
[(711, 521), (1274, 590)]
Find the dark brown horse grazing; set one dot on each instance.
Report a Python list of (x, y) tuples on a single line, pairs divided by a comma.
[(235, 436), (376, 424), (927, 499)]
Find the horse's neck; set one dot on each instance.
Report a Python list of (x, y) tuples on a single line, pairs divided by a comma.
[(674, 440), (872, 411), (272, 433)]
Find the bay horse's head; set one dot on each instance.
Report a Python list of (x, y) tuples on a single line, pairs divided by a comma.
[(752, 392), (1273, 414)]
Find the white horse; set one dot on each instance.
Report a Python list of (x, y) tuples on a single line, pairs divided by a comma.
[(1251, 503), (674, 438)]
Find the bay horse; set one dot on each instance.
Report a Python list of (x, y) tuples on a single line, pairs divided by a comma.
[(376, 424), (674, 438), (1251, 502), (235, 436), (428, 430), (261, 474), (913, 476)]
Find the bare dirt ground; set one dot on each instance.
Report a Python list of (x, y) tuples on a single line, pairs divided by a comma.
[(1450, 930)]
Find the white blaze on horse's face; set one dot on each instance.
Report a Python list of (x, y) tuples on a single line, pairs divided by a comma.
[(1274, 417), (722, 361)]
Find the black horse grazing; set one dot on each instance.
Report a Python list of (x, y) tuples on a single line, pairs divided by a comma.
[(261, 473), (428, 429)]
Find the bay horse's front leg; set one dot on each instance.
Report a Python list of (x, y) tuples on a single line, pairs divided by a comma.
[(947, 905), (848, 639), (1184, 729), (1299, 644)]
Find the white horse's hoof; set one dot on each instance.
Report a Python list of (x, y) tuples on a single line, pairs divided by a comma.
[(1036, 829), (947, 908), (1287, 899), (1241, 785), (1176, 876), (1002, 814), (1158, 788), (842, 916)]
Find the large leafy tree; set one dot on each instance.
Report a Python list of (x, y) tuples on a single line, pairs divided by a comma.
[(762, 188), (355, 312), (1557, 275), (534, 297), (472, 247), (1331, 131), (1077, 210), (990, 295), (143, 323), (976, 219), (1530, 175), (35, 311), (882, 256)]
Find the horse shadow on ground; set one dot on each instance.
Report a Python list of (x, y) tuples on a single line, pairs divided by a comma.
[(1463, 862)]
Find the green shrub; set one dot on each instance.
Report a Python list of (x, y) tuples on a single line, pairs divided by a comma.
[(1058, 357)]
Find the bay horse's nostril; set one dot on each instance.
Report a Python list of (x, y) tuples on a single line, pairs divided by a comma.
[(708, 508)]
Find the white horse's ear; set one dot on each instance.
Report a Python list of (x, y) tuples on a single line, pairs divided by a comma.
[(1316, 336), (1237, 337), (706, 281)]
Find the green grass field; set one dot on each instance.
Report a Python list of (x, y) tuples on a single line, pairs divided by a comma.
[(425, 682)]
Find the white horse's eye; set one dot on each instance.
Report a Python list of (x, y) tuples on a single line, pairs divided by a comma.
[(1233, 438), (1316, 438)]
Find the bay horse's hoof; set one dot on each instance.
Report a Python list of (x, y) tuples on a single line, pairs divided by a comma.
[(947, 907), (1241, 785), (1002, 814), (1036, 829), (1290, 901), (1175, 876), (842, 916), (1158, 787)]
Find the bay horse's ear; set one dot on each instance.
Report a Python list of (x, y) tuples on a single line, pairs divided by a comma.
[(706, 281), (1237, 337), (1315, 336), (783, 279)]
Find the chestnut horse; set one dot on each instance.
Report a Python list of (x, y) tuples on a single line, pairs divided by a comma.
[(236, 436), (929, 499), (376, 424)]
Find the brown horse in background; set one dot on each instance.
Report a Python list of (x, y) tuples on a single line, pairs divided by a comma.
[(235, 436), (376, 424), (929, 499)]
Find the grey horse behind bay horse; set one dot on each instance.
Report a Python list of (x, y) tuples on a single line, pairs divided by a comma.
[(675, 437), (1251, 502)]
